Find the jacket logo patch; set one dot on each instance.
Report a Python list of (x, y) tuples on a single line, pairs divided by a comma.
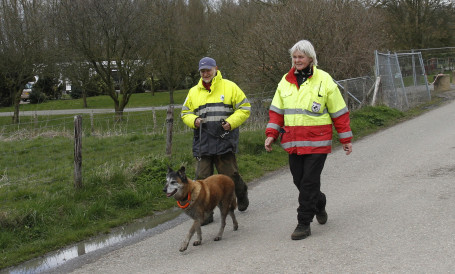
[(222, 97), (316, 107)]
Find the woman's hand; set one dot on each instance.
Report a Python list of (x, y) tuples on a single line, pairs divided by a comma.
[(268, 143), (348, 148)]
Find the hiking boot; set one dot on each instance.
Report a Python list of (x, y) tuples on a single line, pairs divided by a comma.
[(243, 203), (321, 216), (301, 232), (208, 220)]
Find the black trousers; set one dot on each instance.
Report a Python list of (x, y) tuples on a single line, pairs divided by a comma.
[(306, 172)]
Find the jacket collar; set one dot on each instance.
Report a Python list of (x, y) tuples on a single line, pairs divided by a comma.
[(215, 81), (291, 78)]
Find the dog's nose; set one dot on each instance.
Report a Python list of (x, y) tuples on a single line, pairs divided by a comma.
[(165, 189)]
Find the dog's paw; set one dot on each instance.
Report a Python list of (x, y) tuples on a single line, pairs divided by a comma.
[(183, 247), (236, 227), (218, 238), (196, 243)]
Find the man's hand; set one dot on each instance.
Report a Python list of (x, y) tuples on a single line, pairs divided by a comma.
[(268, 143), (197, 122), (348, 148), (226, 126)]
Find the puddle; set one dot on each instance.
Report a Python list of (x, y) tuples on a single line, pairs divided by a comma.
[(117, 238)]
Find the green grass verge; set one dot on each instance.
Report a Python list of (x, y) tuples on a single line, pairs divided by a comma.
[(39, 216)]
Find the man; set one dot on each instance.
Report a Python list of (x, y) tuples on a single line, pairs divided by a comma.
[(215, 108)]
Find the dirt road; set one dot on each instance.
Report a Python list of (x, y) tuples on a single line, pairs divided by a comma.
[(390, 205)]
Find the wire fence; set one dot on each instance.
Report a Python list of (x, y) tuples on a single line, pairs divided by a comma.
[(403, 79), (40, 149), (437, 60)]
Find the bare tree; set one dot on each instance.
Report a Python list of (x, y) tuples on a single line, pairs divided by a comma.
[(110, 36), (232, 22), (179, 39), (419, 23), (344, 33), (21, 45)]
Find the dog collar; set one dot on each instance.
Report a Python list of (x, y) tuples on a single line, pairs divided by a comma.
[(187, 203)]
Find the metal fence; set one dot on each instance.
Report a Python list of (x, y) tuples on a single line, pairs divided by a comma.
[(437, 60), (357, 92), (403, 81)]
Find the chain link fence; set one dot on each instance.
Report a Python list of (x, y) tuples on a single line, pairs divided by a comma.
[(438, 60), (357, 92), (403, 81)]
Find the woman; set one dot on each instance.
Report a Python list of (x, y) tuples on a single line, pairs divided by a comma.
[(306, 104)]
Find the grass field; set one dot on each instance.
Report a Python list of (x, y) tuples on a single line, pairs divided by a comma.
[(104, 101), (123, 179)]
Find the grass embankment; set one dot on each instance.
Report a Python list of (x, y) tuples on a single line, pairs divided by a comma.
[(36, 218)]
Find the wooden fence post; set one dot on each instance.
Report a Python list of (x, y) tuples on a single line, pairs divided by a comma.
[(169, 125), (376, 88), (35, 123), (78, 151), (154, 119), (92, 124)]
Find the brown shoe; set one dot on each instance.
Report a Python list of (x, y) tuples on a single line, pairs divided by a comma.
[(322, 217), (301, 232)]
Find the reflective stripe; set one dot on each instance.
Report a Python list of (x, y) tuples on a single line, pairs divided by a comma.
[(186, 113), (345, 134), (245, 108), (294, 111), (185, 108), (273, 126), (277, 110), (214, 118), (306, 144), (244, 101), (339, 113), (221, 109)]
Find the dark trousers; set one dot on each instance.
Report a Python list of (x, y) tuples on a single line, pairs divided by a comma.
[(306, 172), (225, 164)]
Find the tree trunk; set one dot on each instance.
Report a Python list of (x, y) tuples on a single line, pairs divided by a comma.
[(118, 112), (169, 126), (17, 103), (84, 98), (171, 96), (78, 151)]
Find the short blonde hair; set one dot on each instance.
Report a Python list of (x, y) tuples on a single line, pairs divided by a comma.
[(307, 48)]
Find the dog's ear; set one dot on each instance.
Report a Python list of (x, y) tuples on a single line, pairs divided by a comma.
[(182, 174), (169, 169)]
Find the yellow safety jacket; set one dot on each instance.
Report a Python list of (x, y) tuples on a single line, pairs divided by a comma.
[(225, 100), (304, 116)]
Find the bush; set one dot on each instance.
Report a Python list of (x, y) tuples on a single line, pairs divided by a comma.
[(37, 97), (49, 86), (76, 92)]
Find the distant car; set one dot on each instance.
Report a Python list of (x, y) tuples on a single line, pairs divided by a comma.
[(25, 96)]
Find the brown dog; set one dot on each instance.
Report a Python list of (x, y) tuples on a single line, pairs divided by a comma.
[(199, 198)]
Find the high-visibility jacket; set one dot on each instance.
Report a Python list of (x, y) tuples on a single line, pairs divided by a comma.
[(304, 116), (225, 100)]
